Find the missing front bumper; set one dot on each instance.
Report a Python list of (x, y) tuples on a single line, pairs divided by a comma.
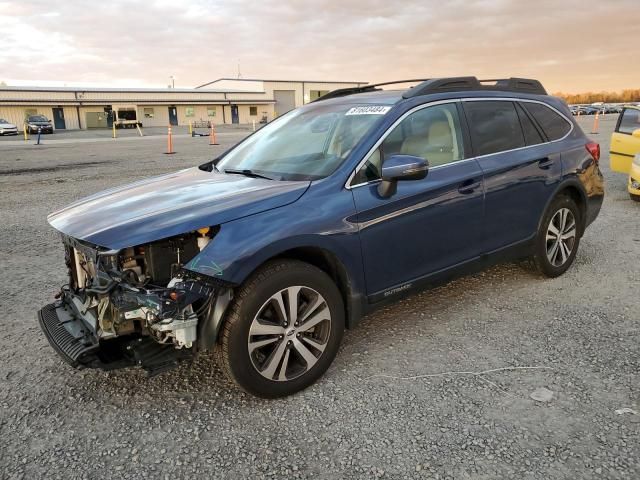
[(73, 340)]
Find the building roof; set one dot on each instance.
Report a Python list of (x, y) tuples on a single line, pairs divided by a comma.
[(277, 81), (122, 90)]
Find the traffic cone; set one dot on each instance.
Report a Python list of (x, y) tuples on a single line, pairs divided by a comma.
[(596, 121), (212, 135), (169, 142)]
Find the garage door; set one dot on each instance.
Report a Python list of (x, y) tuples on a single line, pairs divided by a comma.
[(285, 100)]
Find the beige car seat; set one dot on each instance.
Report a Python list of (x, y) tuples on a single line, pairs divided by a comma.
[(437, 146)]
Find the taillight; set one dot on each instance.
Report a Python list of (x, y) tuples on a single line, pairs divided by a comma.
[(594, 149)]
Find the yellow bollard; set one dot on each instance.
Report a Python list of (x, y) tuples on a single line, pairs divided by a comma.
[(190, 129), (24, 131), (113, 135)]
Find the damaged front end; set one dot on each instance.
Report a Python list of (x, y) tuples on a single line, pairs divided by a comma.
[(135, 306)]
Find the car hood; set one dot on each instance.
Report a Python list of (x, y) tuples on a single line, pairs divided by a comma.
[(39, 122), (7, 125), (168, 205)]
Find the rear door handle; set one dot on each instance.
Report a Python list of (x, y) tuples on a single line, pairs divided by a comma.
[(468, 186), (545, 163)]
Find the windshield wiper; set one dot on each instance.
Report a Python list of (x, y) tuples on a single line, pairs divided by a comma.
[(247, 172)]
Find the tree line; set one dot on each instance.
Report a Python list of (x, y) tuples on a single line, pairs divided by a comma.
[(625, 96)]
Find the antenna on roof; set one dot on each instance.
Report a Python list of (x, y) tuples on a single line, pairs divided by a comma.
[(239, 74)]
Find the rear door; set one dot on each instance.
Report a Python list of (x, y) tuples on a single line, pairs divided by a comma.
[(624, 145), (521, 169), (431, 224)]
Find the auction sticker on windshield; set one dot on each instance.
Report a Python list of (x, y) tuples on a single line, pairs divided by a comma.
[(369, 110)]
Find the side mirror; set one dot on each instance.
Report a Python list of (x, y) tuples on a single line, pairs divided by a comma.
[(636, 133), (401, 167)]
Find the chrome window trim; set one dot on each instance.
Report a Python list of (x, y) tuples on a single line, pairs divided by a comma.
[(440, 102)]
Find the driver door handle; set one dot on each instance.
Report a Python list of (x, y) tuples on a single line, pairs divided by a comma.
[(468, 186)]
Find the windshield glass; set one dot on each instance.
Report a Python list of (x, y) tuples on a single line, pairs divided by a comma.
[(2, 120), (305, 144), (37, 118)]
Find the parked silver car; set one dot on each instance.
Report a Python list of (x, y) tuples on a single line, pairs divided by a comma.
[(7, 128)]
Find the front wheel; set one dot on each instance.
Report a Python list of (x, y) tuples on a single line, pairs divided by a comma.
[(283, 329), (558, 237)]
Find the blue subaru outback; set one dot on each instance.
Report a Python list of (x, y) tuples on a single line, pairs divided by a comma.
[(267, 253)]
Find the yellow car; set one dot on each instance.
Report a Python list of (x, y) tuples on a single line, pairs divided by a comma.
[(625, 147)]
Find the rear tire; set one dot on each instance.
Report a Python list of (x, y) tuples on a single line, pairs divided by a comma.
[(558, 238), (635, 198), (283, 329)]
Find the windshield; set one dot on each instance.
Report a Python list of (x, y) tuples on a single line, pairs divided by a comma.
[(37, 118), (305, 144), (2, 120)]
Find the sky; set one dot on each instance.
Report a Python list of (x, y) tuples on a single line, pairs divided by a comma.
[(571, 46)]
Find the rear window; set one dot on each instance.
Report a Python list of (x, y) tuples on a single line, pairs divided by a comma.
[(554, 126), (494, 126), (531, 134)]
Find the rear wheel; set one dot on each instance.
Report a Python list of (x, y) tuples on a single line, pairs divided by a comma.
[(635, 198), (283, 329), (558, 238)]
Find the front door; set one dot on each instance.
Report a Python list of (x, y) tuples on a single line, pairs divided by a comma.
[(58, 118), (173, 116), (235, 118), (428, 225), (624, 145)]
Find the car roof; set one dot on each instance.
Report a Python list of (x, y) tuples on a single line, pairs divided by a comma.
[(392, 97)]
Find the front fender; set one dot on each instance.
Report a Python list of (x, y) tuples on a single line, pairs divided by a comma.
[(318, 220)]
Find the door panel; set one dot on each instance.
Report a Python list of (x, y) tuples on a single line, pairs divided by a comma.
[(427, 226), (234, 114), (285, 101), (58, 118), (173, 116), (518, 179), (517, 187), (624, 145)]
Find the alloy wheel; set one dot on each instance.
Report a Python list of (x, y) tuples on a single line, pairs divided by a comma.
[(289, 333), (561, 237)]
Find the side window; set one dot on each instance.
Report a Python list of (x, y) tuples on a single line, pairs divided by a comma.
[(554, 126), (531, 134), (370, 171), (494, 126), (630, 121), (433, 133)]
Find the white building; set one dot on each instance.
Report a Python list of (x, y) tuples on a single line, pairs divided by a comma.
[(222, 101)]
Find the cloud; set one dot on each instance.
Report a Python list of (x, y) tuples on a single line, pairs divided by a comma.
[(571, 45)]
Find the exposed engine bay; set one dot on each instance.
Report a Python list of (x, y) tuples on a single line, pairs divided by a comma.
[(136, 306)]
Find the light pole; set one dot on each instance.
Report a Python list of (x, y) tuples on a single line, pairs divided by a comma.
[(173, 81)]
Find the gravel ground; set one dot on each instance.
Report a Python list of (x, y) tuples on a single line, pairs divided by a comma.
[(364, 418)]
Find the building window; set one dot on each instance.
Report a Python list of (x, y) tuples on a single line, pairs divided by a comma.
[(313, 94), (211, 111), (148, 112), (189, 112), (253, 111)]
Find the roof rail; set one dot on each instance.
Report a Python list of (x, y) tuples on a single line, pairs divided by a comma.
[(453, 84), (341, 92)]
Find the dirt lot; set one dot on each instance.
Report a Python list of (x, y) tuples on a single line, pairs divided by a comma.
[(386, 408)]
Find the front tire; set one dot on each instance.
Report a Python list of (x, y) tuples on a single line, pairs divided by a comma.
[(283, 329), (558, 238)]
